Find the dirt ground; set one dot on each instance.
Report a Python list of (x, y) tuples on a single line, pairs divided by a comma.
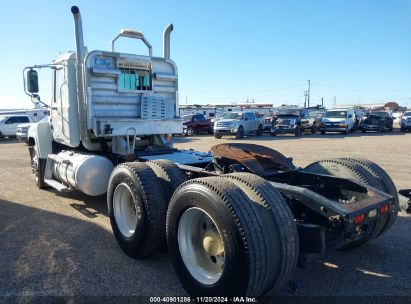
[(54, 244)]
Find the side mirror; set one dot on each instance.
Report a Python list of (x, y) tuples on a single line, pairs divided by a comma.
[(32, 81)]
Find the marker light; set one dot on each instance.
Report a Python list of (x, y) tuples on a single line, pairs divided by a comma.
[(384, 208), (359, 218), (372, 213)]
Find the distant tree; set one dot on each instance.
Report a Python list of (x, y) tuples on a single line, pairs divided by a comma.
[(391, 105)]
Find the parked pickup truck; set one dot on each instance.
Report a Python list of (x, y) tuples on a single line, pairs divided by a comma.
[(379, 121), (405, 122), (295, 121), (8, 124), (196, 123), (22, 131), (238, 123)]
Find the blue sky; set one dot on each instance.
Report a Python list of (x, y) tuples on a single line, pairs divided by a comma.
[(230, 51)]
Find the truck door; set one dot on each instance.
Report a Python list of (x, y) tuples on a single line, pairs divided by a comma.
[(248, 122), (254, 122), (8, 126), (59, 115)]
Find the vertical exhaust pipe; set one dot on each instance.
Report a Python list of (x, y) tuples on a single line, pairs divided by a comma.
[(166, 41), (82, 111), (78, 32)]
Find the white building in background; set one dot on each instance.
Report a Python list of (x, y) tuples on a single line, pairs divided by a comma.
[(367, 106)]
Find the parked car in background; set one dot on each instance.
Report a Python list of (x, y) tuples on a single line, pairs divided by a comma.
[(378, 121), (268, 122), (22, 131), (8, 124), (405, 123), (295, 121), (338, 120), (196, 123), (360, 116), (397, 116), (238, 123)]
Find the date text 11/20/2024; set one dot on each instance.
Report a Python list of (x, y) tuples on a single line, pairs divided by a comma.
[(202, 299)]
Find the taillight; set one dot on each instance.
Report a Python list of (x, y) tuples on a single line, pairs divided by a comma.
[(359, 218), (384, 208)]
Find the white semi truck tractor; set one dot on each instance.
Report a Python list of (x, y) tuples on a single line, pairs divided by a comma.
[(236, 220)]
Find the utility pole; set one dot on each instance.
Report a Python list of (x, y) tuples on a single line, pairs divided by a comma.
[(305, 99), (335, 102), (186, 100), (309, 85), (322, 101)]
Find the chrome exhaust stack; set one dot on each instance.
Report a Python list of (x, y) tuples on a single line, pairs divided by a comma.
[(78, 32), (80, 50), (166, 41)]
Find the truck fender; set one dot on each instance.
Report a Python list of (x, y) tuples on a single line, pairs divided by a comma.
[(41, 138)]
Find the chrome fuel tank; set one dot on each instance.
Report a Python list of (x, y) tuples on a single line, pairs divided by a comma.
[(84, 172)]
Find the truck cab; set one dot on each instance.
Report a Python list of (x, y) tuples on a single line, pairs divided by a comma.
[(113, 105)]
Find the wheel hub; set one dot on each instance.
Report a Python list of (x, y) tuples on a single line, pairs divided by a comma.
[(125, 212), (201, 246), (212, 243)]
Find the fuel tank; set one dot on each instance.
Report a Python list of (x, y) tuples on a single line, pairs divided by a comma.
[(84, 172)]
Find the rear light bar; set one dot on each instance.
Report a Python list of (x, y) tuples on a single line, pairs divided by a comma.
[(358, 219)]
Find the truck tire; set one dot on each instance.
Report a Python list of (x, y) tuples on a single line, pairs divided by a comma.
[(217, 135), (282, 234), (38, 168), (345, 132), (169, 174), (260, 130), (217, 239), (347, 169), (386, 185), (322, 132), (297, 131), (240, 133), (136, 208), (313, 129)]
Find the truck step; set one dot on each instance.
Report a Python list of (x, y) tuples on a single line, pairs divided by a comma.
[(56, 185)]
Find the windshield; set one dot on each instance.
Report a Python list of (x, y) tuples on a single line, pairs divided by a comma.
[(407, 114), (335, 114), (289, 112), (3, 118), (233, 115), (382, 114), (187, 117)]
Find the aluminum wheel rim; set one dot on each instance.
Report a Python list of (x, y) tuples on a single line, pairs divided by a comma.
[(124, 208), (203, 259)]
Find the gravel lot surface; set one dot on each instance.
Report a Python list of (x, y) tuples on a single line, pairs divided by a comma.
[(54, 244)]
